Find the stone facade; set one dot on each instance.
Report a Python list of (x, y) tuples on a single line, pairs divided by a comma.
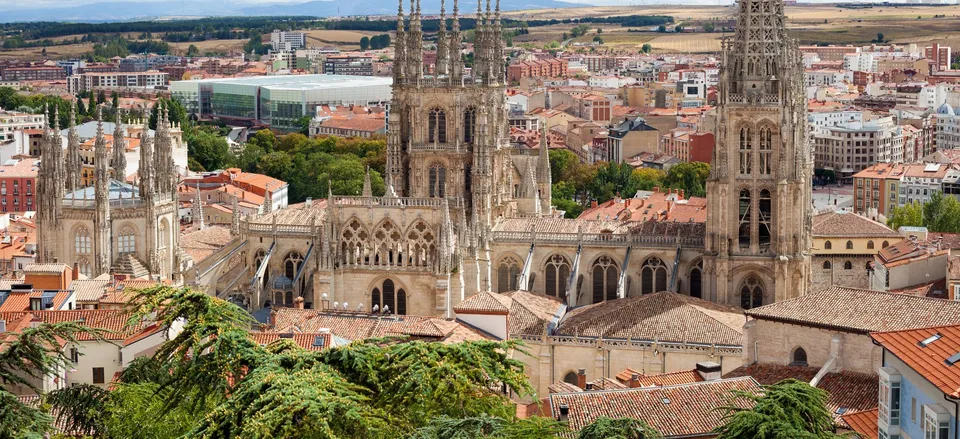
[(111, 227), (771, 342), (466, 211)]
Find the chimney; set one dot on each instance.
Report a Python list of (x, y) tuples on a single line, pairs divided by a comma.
[(298, 303), (273, 318), (76, 270), (656, 188), (593, 204), (680, 193), (634, 381), (709, 371), (564, 413), (582, 378), (3, 326)]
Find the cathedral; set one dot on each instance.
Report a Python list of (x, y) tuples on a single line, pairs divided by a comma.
[(466, 211), (111, 227)]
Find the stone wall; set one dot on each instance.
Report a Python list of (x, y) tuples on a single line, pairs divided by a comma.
[(770, 342), (830, 270)]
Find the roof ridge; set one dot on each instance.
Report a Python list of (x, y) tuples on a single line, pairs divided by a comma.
[(669, 386), (915, 329)]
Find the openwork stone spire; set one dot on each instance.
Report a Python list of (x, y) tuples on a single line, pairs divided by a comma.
[(73, 153), (101, 221), (119, 160)]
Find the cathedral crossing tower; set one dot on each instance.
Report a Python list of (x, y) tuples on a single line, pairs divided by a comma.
[(758, 226)]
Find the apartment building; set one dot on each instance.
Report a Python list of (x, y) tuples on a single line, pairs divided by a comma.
[(948, 128), (33, 73), (13, 121), (353, 65), (288, 41), (920, 182), (94, 81), (849, 148), (878, 187), (538, 68), (18, 181), (940, 55)]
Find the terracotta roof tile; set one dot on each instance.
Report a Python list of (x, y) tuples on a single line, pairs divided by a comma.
[(314, 341), (682, 410), (845, 390), (850, 224), (484, 302), (531, 313), (113, 321), (930, 360), (864, 423), (359, 326), (563, 387), (663, 379), (860, 311), (665, 317)]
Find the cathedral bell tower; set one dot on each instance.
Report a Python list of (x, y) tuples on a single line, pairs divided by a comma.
[(757, 244)]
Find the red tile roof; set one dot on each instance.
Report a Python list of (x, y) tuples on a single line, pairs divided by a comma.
[(659, 380), (682, 410), (863, 422), (845, 390), (930, 360), (846, 224), (860, 311), (314, 341)]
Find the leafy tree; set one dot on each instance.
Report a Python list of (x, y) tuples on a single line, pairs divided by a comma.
[(139, 410), (598, 39), (599, 30), (788, 409), (364, 43), (580, 30), (561, 160), (678, 29), (618, 428), (485, 426), (661, 28), (689, 176), (646, 48), (210, 150), (193, 51), (81, 108), (645, 179), (879, 37), (304, 124), (709, 26), (908, 215), (264, 139)]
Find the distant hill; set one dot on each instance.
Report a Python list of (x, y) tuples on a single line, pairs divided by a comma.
[(125, 11)]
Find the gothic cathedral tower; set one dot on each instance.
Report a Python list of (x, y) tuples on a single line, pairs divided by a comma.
[(757, 248)]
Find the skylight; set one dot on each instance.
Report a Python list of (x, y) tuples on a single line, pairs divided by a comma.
[(926, 342), (953, 359)]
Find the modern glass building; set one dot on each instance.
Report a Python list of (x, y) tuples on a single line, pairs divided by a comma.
[(277, 101)]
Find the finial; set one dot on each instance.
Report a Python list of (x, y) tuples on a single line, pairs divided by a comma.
[(498, 8), (99, 115), (56, 120)]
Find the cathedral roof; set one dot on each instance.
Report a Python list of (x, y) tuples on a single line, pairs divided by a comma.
[(200, 244), (297, 214), (530, 313), (662, 317), (117, 190)]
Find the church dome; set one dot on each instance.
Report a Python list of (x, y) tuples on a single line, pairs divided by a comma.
[(946, 109)]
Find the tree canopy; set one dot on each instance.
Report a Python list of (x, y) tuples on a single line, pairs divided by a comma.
[(940, 214), (790, 409)]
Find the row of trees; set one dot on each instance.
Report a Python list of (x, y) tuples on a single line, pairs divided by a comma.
[(39, 30), (940, 214), (211, 380), (375, 42)]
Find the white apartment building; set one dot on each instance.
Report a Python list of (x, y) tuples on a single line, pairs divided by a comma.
[(14, 121), (859, 62), (849, 148), (821, 119), (288, 41), (116, 80), (818, 78), (920, 182), (932, 96), (948, 128)]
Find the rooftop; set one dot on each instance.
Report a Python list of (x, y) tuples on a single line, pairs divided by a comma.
[(932, 352), (860, 311), (675, 411), (299, 82), (846, 224)]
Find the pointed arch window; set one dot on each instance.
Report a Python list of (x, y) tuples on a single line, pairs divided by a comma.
[(388, 295), (82, 241), (469, 124), (766, 151), (746, 151), (696, 280), (605, 279), (751, 293), (799, 358), (292, 264), (557, 272), (653, 276), (765, 208), (375, 299), (438, 126), (745, 210), (85, 268), (401, 302), (438, 181), (508, 274), (127, 241)]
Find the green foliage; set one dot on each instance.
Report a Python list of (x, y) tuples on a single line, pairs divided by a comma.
[(910, 215), (940, 214), (207, 149), (678, 29), (485, 426), (303, 124), (788, 409), (140, 410), (661, 29), (193, 50), (255, 45), (364, 43), (689, 176), (580, 30), (709, 26), (598, 39), (646, 48), (78, 408), (618, 428), (879, 37)]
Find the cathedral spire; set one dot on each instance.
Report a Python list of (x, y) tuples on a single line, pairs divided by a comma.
[(197, 211), (367, 191), (454, 58), (235, 218), (73, 152), (545, 180), (101, 221), (145, 174), (119, 160), (399, 54), (267, 200), (442, 52)]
